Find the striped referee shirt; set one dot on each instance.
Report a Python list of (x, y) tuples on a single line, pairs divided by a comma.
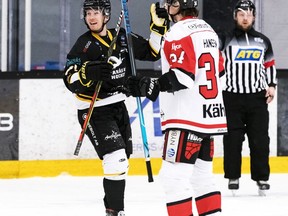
[(249, 61)]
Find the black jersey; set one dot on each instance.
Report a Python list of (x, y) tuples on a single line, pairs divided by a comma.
[(249, 61), (92, 47)]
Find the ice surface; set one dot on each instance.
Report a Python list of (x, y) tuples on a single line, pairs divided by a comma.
[(82, 196)]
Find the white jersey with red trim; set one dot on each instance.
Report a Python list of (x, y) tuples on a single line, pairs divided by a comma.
[(191, 50)]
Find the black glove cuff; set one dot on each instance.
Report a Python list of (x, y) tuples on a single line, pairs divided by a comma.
[(158, 29), (149, 87), (169, 82), (84, 80)]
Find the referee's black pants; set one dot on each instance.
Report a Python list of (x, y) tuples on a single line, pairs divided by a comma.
[(246, 114)]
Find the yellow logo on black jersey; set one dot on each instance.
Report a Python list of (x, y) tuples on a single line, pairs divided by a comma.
[(248, 54)]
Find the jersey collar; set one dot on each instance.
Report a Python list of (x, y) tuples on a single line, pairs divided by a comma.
[(103, 41)]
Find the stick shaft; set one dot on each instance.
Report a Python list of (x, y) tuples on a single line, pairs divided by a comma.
[(139, 105)]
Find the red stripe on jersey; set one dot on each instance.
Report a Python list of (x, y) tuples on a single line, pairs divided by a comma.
[(195, 124), (209, 203), (221, 62), (211, 148), (269, 64), (180, 208), (180, 54), (165, 145), (180, 146)]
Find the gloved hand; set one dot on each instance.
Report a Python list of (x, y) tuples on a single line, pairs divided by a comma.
[(143, 87), (161, 12), (95, 71), (159, 19)]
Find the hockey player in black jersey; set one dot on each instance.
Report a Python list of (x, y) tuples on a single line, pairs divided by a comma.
[(87, 63)]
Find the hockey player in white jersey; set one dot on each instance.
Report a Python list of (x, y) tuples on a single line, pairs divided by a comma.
[(192, 110)]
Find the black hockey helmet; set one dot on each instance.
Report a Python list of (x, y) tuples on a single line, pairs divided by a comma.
[(105, 5), (245, 5), (184, 4)]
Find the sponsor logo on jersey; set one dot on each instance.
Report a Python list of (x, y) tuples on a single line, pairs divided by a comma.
[(171, 152), (123, 41), (193, 138), (173, 137), (74, 61), (259, 40), (93, 134), (87, 46), (248, 55), (116, 62), (198, 26), (213, 110), (172, 145), (118, 73), (114, 136), (209, 43), (176, 46)]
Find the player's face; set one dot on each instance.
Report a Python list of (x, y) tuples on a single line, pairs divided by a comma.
[(245, 19), (94, 19), (173, 10)]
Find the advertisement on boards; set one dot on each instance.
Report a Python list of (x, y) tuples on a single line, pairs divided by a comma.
[(9, 119)]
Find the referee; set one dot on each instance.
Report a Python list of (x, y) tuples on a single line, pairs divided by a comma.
[(249, 87)]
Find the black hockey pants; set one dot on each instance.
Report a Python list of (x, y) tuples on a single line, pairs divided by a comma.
[(109, 128), (246, 114)]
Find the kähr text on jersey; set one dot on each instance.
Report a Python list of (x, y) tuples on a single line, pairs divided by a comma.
[(213, 110)]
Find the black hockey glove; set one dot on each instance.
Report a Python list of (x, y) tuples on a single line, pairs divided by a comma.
[(95, 71), (161, 12), (159, 19), (143, 87)]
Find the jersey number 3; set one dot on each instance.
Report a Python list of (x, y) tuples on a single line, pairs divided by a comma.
[(210, 91), (206, 62)]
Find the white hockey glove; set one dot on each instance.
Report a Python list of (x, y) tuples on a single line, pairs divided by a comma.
[(159, 19)]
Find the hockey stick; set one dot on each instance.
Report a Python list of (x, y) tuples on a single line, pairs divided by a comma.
[(139, 106), (97, 89)]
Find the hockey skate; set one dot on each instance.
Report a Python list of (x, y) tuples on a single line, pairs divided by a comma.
[(233, 185), (110, 212), (263, 186)]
